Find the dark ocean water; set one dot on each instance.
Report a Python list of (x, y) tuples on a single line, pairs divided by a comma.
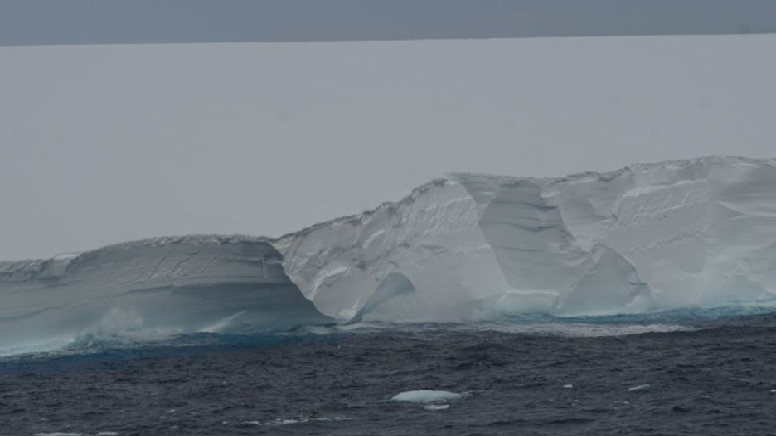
[(717, 379)]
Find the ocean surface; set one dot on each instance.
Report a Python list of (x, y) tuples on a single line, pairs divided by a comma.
[(689, 373)]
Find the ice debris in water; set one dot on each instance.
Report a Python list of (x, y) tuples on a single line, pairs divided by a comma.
[(299, 420), (425, 396), (568, 386), (639, 387), (58, 434), (433, 407)]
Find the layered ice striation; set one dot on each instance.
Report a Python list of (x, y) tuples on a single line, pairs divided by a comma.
[(156, 286), (647, 237)]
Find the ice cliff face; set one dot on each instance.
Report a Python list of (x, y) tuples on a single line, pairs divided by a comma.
[(646, 237), (466, 247), (155, 286)]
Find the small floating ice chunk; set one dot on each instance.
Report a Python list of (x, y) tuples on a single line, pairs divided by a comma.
[(58, 434), (436, 406), (639, 387), (292, 421), (568, 386), (426, 396)]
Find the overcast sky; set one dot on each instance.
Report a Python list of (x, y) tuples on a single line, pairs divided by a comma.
[(24, 22), (102, 144)]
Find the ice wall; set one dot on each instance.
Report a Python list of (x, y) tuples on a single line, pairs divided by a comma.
[(699, 232), (466, 247), (155, 286), (646, 237)]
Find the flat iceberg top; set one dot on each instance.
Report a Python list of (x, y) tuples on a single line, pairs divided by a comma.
[(194, 239), (10, 269), (675, 164)]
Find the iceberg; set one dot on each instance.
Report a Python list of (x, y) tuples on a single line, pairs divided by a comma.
[(151, 287), (658, 236), (466, 247)]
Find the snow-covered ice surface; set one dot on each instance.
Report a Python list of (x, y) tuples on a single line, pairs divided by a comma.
[(648, 237)]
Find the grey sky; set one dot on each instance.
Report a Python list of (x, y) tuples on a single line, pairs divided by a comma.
[(27, 22), (102, 144)]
